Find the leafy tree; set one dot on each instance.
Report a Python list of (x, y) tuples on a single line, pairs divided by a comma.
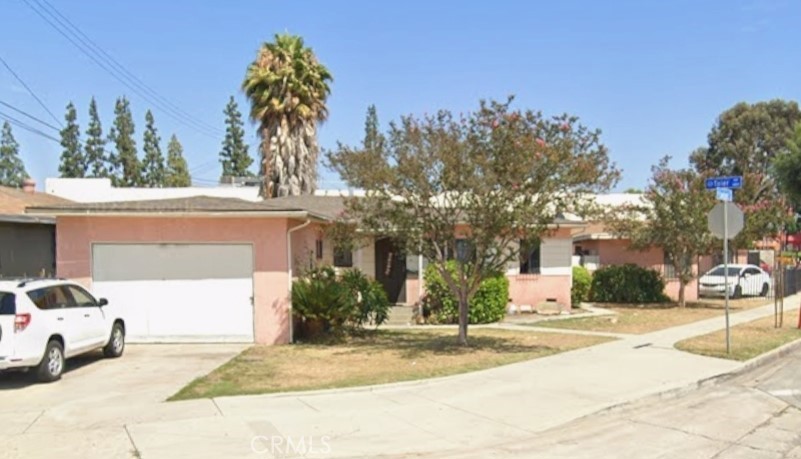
[(177, 173), (153, 168), (126, 165), (497, 179), (97, 164), (12, 170), (788, 168), (72, 162), (746, 140), (234, 154), (287, 87), (672, 217)]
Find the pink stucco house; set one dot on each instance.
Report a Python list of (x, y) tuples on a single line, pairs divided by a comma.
[(201, 268)]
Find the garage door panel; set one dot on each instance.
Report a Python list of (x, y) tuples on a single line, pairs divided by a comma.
[(125, 262), (200, 292)]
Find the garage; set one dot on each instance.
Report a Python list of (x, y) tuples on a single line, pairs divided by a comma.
[(178, 292)]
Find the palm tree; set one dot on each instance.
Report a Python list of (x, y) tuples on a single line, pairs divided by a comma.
[(287, 88)]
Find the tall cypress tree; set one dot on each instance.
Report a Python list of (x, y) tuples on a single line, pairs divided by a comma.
[(373, 139), (127, 169), (234, 155), (177, 173), (153, 162), (96, 162), (72, 162), (12, 170)]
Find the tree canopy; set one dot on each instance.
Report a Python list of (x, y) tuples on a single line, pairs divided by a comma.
[(125, 160), (746, 140), (97, 163), (12, 169), (153, 168), (673, 217), (234, 155), (288, 88), (72, 163), (177, 173), (494, 179)]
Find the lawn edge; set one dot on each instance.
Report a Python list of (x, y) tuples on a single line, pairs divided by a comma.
[(390, 385)]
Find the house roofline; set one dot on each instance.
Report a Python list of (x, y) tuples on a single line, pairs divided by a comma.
[(56, 212), (48, 219)]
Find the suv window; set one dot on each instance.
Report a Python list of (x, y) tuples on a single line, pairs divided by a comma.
[(81, 297), (54, 297), (8, 304)]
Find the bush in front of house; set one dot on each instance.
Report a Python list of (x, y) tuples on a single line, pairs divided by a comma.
[(327, 304), (580, 289), (441, 306), (371, 305), (627, 283)]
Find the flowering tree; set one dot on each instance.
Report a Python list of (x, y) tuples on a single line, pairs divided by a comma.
[(673, 216), (493, 179)]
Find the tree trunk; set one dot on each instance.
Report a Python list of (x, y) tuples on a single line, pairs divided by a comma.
[(463, 305), (682, 285)]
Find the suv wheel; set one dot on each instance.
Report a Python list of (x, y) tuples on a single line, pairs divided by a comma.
[(116, 342), (52, 365)]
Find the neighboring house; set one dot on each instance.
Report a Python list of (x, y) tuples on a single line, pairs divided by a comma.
[(27, 242), (206, 268), (599, 247)]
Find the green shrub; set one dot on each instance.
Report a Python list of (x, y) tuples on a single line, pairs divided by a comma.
[(627, 283), (321, 303), (371, 305), (487, 305), (325, 304), (580, 290)]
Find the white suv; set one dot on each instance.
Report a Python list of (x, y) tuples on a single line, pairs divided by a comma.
[(45, 321)]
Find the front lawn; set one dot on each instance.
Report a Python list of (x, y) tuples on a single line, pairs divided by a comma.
[(376, 358), (637, 320), (748, 340)]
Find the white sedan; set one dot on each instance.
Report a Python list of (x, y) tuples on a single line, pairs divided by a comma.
[(741, 280)]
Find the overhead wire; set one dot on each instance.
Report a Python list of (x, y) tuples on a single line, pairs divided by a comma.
[(99, 57), (27, 127), (28, 88), (28, 115)]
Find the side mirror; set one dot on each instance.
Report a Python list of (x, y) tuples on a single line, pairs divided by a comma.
[(102, 302)]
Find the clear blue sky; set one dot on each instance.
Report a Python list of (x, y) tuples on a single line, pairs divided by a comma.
[(652, 75)]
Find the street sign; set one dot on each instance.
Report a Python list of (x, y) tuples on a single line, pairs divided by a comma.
[(734, 182), (724, 194), (733, 217)]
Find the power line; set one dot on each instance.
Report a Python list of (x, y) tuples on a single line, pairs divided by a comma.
[(22, 125), (84, 47), (24, 113), (115, 63), (30, 91)]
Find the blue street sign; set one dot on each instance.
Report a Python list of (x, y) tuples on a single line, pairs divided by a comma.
[(734, 182), (724, 194)]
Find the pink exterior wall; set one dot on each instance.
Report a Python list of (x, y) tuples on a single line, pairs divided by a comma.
[(412, 290), (534, 289), (75, 235), (617, 252)]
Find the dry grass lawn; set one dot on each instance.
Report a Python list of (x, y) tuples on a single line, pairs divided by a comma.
[(747, 340), (637, 320), (378, 357)]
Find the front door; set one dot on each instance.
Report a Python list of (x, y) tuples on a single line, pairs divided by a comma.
[(390, 270)]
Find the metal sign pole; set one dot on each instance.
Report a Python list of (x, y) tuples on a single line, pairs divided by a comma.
[(726, 273)]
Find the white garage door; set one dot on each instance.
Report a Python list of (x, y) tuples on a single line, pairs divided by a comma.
[(178, 292)]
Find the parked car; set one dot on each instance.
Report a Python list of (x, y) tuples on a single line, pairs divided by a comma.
[(43, 322), (742, 280)]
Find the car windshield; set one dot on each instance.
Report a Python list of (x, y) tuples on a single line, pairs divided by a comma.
[(8, 304), (720, 271)]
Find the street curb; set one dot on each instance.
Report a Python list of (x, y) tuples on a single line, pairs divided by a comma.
[(749, 365)]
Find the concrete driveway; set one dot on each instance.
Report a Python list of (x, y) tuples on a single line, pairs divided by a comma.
[(86, 413)]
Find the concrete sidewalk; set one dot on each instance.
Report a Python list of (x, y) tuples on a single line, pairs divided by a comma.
[(472, 410)]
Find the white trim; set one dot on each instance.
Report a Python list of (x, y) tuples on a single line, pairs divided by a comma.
[(556, 271)]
